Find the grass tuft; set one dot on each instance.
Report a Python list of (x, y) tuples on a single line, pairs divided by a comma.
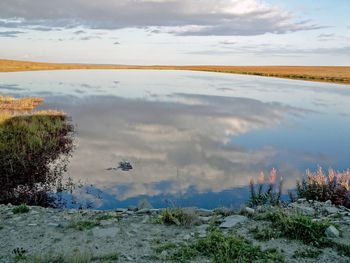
[(177, 216), (83, 225)]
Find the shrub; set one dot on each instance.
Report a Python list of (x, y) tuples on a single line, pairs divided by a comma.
[(334, 187), (22, 208), (269, 196)]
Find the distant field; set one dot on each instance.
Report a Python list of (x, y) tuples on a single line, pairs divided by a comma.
[(312, 73)]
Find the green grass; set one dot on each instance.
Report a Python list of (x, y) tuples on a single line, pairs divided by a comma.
[(298, 227), (264, 234), (83, 225), (20, 209), (307, 252), (109, 257), (177, 216), (220, 248)]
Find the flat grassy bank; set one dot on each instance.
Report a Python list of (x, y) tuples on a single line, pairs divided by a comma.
[(335, 74)]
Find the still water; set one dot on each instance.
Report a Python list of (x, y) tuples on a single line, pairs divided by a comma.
[(192, 138)]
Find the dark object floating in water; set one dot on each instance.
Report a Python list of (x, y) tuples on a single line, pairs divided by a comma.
[(125, 166)]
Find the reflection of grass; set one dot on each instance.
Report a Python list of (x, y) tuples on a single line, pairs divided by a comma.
[(319, 73), (34, 150)]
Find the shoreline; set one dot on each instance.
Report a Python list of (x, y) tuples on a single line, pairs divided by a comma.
[(137, 235), (327, 74)]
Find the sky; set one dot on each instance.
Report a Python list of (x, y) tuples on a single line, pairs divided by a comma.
[(177, 32)]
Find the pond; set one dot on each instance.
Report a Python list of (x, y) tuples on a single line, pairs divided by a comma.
[(191, 138)]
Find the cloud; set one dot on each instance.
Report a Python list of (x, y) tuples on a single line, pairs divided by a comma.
[(116, 43), (271, 50), (79, 32), (228, 42), (186, 17), (10, 33), (325, 35)]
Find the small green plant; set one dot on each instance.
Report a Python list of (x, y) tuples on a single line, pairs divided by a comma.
[(307, 252), (264, 234), (20, 209), (220, 248), (177, 216), (109, 257), (299, 227), (19, 253), (83, 225)]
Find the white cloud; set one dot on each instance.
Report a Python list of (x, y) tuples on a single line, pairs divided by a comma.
[(186, 17)]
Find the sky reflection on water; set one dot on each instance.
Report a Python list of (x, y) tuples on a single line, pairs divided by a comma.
[(194, 138)]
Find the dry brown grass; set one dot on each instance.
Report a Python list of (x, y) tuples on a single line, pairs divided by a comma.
[(11, 107), (336, 74)]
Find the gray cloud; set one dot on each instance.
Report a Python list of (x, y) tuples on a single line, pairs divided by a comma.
[(79, 32), (116, 43), (186, 17), (270, 50), (10, 33)]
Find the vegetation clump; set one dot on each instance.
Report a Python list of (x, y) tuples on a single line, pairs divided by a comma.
[(298, 227), (220, 248), (20, 209), (334, 187), (177, 216)]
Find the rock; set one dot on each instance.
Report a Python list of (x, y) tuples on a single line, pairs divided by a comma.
[(303, 209), (204, 219), (163, 255), (250, 211), (63, 225), (205, 212), (132, 208), (143, 203), (105, 232), (143, 211), (120, 210), (145, 219), (53, 224), (107, 222), (328, 202), (301, 200), (331, 210), (332, 232), (233, 220), (187, 237)]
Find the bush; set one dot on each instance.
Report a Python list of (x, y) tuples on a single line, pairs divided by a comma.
[(22, 208), (334, 187)]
